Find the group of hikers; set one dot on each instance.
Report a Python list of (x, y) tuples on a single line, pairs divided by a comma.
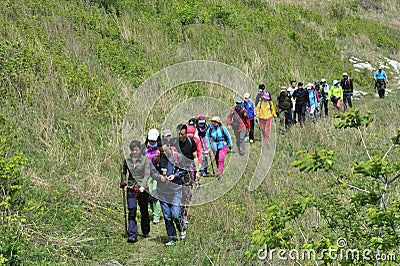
[(164, 171)]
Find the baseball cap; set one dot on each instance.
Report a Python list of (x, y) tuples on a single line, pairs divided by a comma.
[(246, 95), (166, 133), (153, 134)]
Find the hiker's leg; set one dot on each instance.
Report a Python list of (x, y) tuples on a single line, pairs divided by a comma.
[(143, 200), (338, 105), (282, 117), (263, 124), (221, 159), (268, 129), (169, 224), (154, 202), (242, 142), (237, 136), (251, 133), (350, 102), (177, 218), (132, 206), (186, 195)]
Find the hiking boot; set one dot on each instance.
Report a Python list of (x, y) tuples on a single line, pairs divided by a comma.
[(241, 153), (170, 243), (246, 139), (183, 235), (156, 220), (251, 141), (220, 176), (132, 240), (146, 235)]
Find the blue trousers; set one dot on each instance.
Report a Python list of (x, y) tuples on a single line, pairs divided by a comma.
[(172, 218)]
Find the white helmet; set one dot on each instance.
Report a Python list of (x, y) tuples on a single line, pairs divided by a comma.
[(323, 80), (335, 82)]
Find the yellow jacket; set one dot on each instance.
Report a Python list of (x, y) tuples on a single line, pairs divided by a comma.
[(265, 109), (335, 91)]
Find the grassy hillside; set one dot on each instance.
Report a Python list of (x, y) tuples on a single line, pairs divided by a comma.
[(68, 70)]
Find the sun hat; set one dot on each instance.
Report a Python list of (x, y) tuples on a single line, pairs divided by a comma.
[(266, 96), (216, 119)]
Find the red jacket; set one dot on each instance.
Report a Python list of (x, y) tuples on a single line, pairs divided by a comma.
[(237, 122)]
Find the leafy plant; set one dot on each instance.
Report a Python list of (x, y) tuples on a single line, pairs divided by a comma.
[(360, 209)]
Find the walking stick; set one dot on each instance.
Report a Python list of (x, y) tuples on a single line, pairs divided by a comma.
[(124, 201), (211, 162)]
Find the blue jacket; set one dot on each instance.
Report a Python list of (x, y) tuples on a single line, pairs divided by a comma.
[(168, 191), (312, 96), (217, 135), (380, 74), (250, 107)]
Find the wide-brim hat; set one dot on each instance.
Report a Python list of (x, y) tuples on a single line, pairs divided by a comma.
[(266, 96), (216, 119)]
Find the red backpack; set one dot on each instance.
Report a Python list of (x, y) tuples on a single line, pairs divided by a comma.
[(174, 153)]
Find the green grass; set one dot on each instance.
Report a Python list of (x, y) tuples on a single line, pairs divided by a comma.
[(67, 75)]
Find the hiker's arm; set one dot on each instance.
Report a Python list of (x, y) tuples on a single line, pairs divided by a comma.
[(229, 118), (196, 164), (146, 173), (228, 136), (208, 142), (154, 173)]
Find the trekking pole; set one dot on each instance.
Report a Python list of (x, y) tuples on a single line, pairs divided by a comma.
[(211, 162), (124, 201)]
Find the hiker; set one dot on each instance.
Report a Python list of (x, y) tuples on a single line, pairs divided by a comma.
[(290, 90), (192, 133), (165, 169), (336, 95), (201, 131), (313, 100), (261, 91), (238, 120), (317, 89), (381, 80), (166, 133), (218, 140), (265, 112), (302, 102), (284, 105), (188, 148), (137, 165), (251, 110), (324, 96), (151, 148), (347, 86)]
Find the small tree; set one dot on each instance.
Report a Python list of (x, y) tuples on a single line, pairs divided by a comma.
[(11, 183), (358, 207)]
